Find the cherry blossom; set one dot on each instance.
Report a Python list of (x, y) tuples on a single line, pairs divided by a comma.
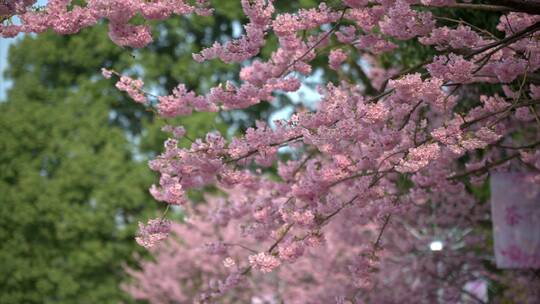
[(338, 204)]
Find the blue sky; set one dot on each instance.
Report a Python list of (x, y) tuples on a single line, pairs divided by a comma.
[(4, 45)]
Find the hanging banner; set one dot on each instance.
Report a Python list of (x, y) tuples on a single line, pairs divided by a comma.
[(515, 211)]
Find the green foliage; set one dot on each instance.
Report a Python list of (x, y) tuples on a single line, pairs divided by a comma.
[(73, 172), (70, 192)]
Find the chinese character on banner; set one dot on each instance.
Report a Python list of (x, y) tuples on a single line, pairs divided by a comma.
[(515, 210)]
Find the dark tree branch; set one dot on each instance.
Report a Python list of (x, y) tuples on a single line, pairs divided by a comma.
[(524, 6)]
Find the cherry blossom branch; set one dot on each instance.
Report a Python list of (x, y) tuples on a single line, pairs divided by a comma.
[(461, 21), (379, 236), (484, 168), (529, 146), (506, 41), (250, 153), (311, 48), (408, 117), (302, 164), (525, 6), (284, 231), (362, 174), (471, 6), (280, 238), (241, 246), (376, 245), (505, 110), (407, 71), (165, 212), (497, 45), (536, 116), (325, 219)]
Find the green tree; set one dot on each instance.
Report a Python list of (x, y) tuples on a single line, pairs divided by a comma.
[(70, 187), (73, 173)]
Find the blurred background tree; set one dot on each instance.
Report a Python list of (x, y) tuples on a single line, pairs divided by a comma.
[(71, 187)]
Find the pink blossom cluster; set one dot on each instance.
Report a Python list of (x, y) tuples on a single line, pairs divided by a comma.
[(153, 232), (337, 267), (336, 58), (133, 87), (14, 7), (355, 149), (462, 37), (259, 13), (404, 23), (264, 262), (418, 158), (262, 78), (66, 17), (453, 68)]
